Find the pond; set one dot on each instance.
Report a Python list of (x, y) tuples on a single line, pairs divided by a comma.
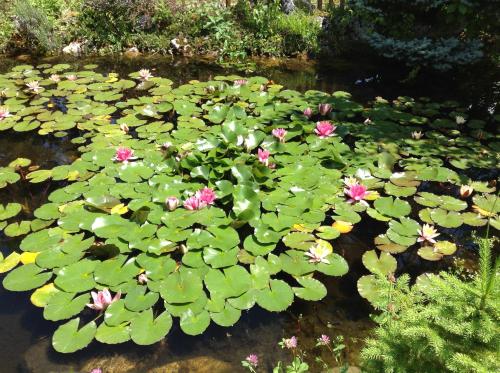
[(26, 345)]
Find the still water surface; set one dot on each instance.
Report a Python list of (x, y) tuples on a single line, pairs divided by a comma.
[(25, 335)]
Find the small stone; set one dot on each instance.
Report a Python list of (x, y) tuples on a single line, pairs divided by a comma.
[(74, 48), (132, 53), (199, 364)]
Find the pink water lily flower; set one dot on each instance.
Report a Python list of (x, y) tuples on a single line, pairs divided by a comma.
[(102, 299), (145, 75), (357, 193), (55, 78), (279, 133), (427, 233), (34, 86), (96, 370), (263, 156), (308, 112), (324, 129), (4, 113), (194, 203), (324, 109), (124, 155), (240, 82), (71, 77), (206, 195), (172, 203)]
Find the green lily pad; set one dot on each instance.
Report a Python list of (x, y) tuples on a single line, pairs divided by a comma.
[(181, 287), (10, 210), (112, 334), (138, 300), (64, 305), (384, 264), (26, 277), (76, 277), (146, 330), (69, 338), (227, 317), (194, 324), (311, 289), (390, 206), (278, 297)]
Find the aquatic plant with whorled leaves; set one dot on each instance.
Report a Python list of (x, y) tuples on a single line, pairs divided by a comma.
[(193, 204)]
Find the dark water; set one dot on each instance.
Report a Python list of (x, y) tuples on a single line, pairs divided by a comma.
[(25, 341)]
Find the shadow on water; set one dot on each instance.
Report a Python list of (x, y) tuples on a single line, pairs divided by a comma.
[(25, 343)]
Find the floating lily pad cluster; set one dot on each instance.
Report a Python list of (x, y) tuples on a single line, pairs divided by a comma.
[(193, 204)]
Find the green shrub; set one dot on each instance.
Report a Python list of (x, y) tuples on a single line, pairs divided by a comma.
[(34, 29), (299, 32), (6, 26), (109, 23), (439, 34), (260, 18), (441, 324), (51, 8)]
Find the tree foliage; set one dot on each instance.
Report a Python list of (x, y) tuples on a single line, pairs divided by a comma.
[(441, 324)]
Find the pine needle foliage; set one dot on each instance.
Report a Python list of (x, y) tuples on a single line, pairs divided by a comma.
[(441, 324)]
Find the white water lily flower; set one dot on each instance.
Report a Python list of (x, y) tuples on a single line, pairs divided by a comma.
[(34, 86), (4, 113), (318, 252), (417, 135), (427, 233), (363, 174), (460, 119), (350, 181)]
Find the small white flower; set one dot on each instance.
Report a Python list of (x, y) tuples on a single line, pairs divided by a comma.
[(460, 119), (417, 135)]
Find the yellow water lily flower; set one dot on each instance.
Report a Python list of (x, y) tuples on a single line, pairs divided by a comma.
[(372, 195), (342, 226), (28, 257), (302, 228), (119, 209)]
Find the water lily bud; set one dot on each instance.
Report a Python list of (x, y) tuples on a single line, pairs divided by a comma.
[(172, 203), (124, 128), (368, 121), (184, 248), (324, 109), (417, 135), (308, 112), (466, 191), (142, 279)]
